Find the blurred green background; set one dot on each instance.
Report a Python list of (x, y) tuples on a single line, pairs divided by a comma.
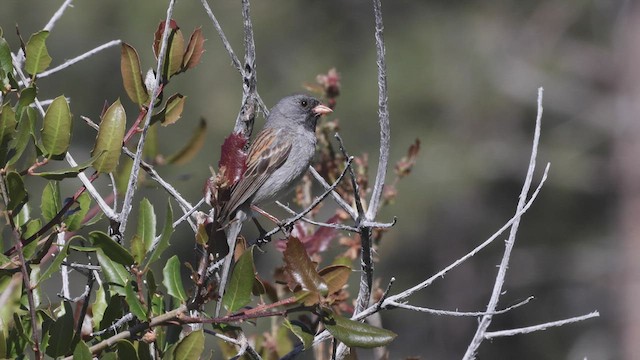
[(463, 78)]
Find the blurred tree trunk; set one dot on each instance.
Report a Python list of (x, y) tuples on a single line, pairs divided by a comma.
[(627, 172)]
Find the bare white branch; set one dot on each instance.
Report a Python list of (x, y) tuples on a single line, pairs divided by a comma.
[(541, 327), (391, 303), (57, 15), (504, 263), (79, 58), (383, 113)]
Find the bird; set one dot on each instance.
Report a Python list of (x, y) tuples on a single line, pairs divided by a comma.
[(279, 155)]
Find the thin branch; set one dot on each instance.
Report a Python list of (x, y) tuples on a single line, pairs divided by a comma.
[(440, 274), (354, 182), (504, 263), (57, 15), (454, 313), (315, 203), (27, 284), (383, 114), (158, 320), (529, 329), (135, 168), (232, 55), (79, 58), (188, 213), (64, 269), (115, 326), (343, 204), (337, 226)]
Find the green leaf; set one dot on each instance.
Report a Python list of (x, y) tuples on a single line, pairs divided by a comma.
[(112, 249), (82, 352), (25, 132), (7, 130), (172, 279), (175, 53), (302, 271), (74, 221), (356, 334), (173, 109), (61, 333), (6, 65), (146, 224), (132, 75), (190, 347), (137, 249), (110, 137), (135, 306), (68, 172), (238, 292), (99, 306), (54, 267), (3, 345), (113, 313), (163, 243), (194, 51), (38, 58), (301, 332), (17, 193), (51, 204), (192, 147), (117, 276), (27, 97), (56, 128)]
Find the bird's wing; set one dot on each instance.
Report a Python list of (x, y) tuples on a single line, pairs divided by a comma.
[(267, 153)]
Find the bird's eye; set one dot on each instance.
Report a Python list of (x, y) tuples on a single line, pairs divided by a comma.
[(303, 103)]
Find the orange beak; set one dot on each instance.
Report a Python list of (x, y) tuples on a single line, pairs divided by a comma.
[(322, 110)]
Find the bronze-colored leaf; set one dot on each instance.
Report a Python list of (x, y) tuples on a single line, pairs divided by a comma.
[(195, 49), (132, 75)]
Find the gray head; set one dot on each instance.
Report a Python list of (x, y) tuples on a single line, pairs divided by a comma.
[(297, 109)]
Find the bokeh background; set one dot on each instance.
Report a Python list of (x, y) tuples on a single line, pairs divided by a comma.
[(463, 78)]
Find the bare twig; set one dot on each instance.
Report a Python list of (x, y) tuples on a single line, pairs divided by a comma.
[(232, 55), (79, 58), (453, 313), (337, 226), (541, 327), (158, 320), (440, 274), (64, 270), (343, 204), (383, 114), (315, 203), (504, 263), (57, 15), (135, 168)]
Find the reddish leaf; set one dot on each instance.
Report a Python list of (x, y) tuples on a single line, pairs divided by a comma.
[(157, 37), (194, 51), (301, 270), (232, 159)]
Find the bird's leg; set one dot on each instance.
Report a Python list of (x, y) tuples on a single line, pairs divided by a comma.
[(262, 238), (275, 220)]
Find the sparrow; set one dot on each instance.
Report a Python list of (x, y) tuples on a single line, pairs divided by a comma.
[(279, 155)]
